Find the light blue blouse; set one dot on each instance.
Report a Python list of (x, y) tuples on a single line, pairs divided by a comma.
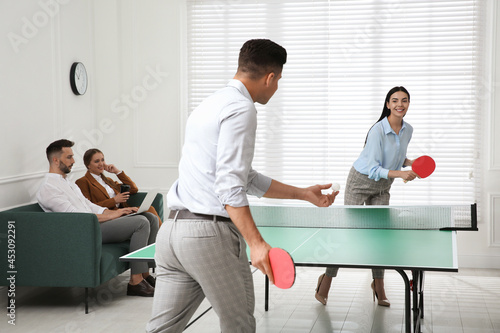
[(384, 150)]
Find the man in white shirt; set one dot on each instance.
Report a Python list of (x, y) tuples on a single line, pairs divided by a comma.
[(58, 194), (200, 250)]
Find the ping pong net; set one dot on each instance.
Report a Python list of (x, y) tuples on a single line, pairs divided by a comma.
[(368, 217)]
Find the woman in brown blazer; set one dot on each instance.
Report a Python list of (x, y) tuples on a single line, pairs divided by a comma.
[(104, 191)]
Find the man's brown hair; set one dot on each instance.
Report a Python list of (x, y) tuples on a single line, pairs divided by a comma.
[(57, 146), (261, 56)]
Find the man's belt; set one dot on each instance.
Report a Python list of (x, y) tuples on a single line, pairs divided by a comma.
[(187, 215)]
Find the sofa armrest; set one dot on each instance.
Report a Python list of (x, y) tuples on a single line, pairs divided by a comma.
[(51, 249), (136, 199)]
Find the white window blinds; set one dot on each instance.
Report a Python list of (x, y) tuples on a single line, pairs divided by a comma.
[(343, 58)]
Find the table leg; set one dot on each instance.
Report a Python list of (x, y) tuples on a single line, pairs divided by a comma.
[(418, 299), (416, 314), (422, 294), (407, 300), (193, 321), (266, 304), (86, 300)]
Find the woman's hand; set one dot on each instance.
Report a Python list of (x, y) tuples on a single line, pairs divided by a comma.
[(122, 197), (111, 168), (111, 214), (408, 162), (408, 175), (127, 210)]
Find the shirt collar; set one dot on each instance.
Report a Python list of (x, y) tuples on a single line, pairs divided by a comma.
[(387, 127), (96, 177), (55, 176), (241, 87)]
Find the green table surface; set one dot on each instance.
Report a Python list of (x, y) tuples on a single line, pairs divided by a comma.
[(384, 248)]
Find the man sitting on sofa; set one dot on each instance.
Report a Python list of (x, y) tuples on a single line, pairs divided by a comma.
[(58, 194)]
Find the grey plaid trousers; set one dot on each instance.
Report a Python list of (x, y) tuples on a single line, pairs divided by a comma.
[(361, 190), (197, 259)]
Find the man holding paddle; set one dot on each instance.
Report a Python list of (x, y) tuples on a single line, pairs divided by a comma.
[(200, 250)]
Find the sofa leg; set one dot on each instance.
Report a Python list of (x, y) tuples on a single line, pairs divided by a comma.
[(86, 300)]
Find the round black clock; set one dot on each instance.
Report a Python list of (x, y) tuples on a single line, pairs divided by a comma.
[(78, 78)]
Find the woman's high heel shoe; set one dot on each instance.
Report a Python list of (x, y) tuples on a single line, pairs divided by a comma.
[(382, 302), (320, 298)]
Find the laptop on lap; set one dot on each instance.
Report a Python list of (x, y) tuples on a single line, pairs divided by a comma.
[(146, 203)]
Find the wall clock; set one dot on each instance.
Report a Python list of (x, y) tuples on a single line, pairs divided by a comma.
[(78, 78)]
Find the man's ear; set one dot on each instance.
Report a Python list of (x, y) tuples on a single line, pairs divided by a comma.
[(269, 78)]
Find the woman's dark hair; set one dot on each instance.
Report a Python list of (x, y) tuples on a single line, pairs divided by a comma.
[(386, 111), (87, 157)]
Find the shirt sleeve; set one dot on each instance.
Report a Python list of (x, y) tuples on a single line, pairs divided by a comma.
[(374, 153), (235, 150), (410, 134), (258, 184), (128, 181), (53, 199), (96, 209)]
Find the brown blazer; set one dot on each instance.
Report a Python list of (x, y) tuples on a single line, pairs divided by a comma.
[(97, 194)]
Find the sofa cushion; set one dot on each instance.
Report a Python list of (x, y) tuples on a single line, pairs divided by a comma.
[(35, 208), (110, 265)]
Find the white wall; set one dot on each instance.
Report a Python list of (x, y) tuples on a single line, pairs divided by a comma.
[(134, 110), (131, 109), (138, 90), (482, 248)]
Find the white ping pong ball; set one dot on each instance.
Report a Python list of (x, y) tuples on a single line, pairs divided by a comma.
[(335, 187)]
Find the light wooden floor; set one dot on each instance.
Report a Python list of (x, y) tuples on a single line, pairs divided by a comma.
[(468, 301)]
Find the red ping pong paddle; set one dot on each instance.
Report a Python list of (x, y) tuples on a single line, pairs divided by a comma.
[(283, 268), (423, 166)]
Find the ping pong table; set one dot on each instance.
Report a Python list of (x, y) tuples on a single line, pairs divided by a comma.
[(415, 239)]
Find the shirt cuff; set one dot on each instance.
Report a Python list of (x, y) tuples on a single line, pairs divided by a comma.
[(235, 198), (259, 185), (101, 210), (384, 173)]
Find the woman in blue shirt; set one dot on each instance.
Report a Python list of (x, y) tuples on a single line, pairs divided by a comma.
[(372, 174)]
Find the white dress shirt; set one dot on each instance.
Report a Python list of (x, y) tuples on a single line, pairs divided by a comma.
[(57, 194), (216, 164), (108, 188)]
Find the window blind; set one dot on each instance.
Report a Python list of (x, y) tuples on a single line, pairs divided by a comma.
[(343, 58)]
